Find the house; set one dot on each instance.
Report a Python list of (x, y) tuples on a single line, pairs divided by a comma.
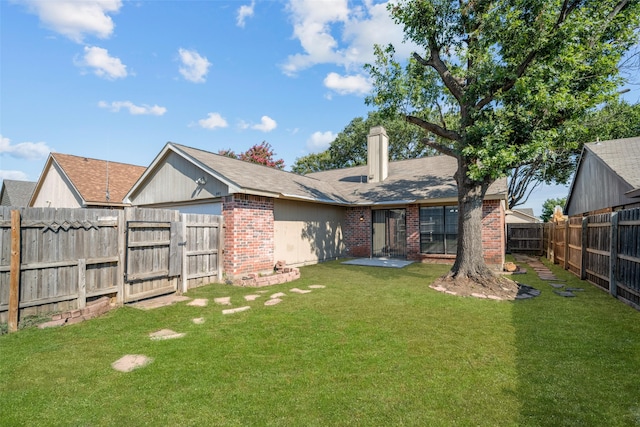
[(405, 209), (79, 182), (607, 178), (16, 193), (521, 216)]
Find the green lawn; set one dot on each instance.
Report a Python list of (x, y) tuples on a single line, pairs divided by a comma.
[(375, 347)]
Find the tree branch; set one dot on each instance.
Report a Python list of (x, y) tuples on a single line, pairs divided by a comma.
[(434, 128), (435, 62)]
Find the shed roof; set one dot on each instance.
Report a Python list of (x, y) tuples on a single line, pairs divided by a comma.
[(622, 156), (16, 193)]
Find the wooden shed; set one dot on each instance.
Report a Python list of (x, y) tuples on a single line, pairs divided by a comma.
[(607, 178)]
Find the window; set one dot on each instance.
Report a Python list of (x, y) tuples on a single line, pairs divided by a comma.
[(439, 229)]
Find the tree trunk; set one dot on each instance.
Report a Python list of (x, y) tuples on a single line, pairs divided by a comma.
[(470, 262)]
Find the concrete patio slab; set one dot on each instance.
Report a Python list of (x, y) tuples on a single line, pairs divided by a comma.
[(379, 262)]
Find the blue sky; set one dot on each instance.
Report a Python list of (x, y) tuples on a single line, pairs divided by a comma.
[(116, 80)]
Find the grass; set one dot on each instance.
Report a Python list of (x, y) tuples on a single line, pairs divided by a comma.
[(376, 347)]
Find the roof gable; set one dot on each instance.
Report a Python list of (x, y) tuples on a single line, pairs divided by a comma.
[(96, 182), (16, 193)]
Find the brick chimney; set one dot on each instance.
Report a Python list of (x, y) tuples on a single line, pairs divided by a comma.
[(378, 154)]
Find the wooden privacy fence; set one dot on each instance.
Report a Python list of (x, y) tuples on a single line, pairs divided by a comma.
[(57, 259), (603, 249)]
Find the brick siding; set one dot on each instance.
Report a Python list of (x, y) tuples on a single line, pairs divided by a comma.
[(357, 234)]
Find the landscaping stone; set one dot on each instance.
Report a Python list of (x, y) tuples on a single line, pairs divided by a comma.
[(478, 295), (299, 291), (130, 362), (199, 302), (251, 297), (278, 295), (565, 294), (159, 302), (165, 334), (222, 300), (556, 285), (574, 289), (494, 297), (198, 320), (317, 286), (273, 301), (235, 310), (52, 323)]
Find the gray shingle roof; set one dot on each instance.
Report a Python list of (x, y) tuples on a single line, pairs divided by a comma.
[(622, 156), (16, 193), (408, 180)]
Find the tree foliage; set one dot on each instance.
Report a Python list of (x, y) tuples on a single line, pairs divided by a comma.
[(615, 120), (549, 206), (261, 154), (506, 82), (350, 146)]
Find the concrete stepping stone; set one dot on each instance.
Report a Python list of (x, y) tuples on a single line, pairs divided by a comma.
[(299, 291), (556, 285), (565, 294), (222, 300), (165, 334), (198, 320), (317, 286), (130, 362), (278, 295), (273, 301), (574, 289), (235, 310), (199, 302), (251, 297)]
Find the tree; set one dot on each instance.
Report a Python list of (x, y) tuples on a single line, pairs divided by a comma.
[(505, 80), (350, 146), (261, 154), (549, 206), (615, 120)]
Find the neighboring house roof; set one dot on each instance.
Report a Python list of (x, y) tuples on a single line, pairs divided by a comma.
[(97, 182), (614, 164), (520, 216), (408, 180), (16, 193)]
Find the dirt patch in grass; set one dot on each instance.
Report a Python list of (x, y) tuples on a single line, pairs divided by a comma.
[(493, 288)]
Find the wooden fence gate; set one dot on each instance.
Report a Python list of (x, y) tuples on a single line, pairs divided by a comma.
[(58, 259)]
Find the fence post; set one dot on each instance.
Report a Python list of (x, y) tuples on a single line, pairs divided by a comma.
[(566, 245), (14, 272), (613, 257), (583, 248), (82, 283), (184, 286), (120, 295)]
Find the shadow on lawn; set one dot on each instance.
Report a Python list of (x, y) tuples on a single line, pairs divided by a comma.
[(577, 358)]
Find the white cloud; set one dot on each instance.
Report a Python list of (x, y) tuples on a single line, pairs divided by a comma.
[(108, 67), (332, 33), (267, 124), (345, 85), (24, 150), (76, 19), (116, 106), (194, 66), (15, 175), (244, 12), (213, 120), (320, 141)]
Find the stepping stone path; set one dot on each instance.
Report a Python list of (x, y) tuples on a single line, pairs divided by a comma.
[(130, 362), (545, 274), (199, 302), (278, 295), (235, 310), (198, 320), (273, 301), (222, 301), (299, 291), (165, 334), (317, 286), (251, 297)]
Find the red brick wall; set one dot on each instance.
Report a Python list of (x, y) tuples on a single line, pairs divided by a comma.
[(493, 238), (249, 234), (357, 234)]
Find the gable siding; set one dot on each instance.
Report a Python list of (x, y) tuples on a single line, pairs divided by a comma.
[(306, 233), (175, 181), (56, 191), (597, 187)]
